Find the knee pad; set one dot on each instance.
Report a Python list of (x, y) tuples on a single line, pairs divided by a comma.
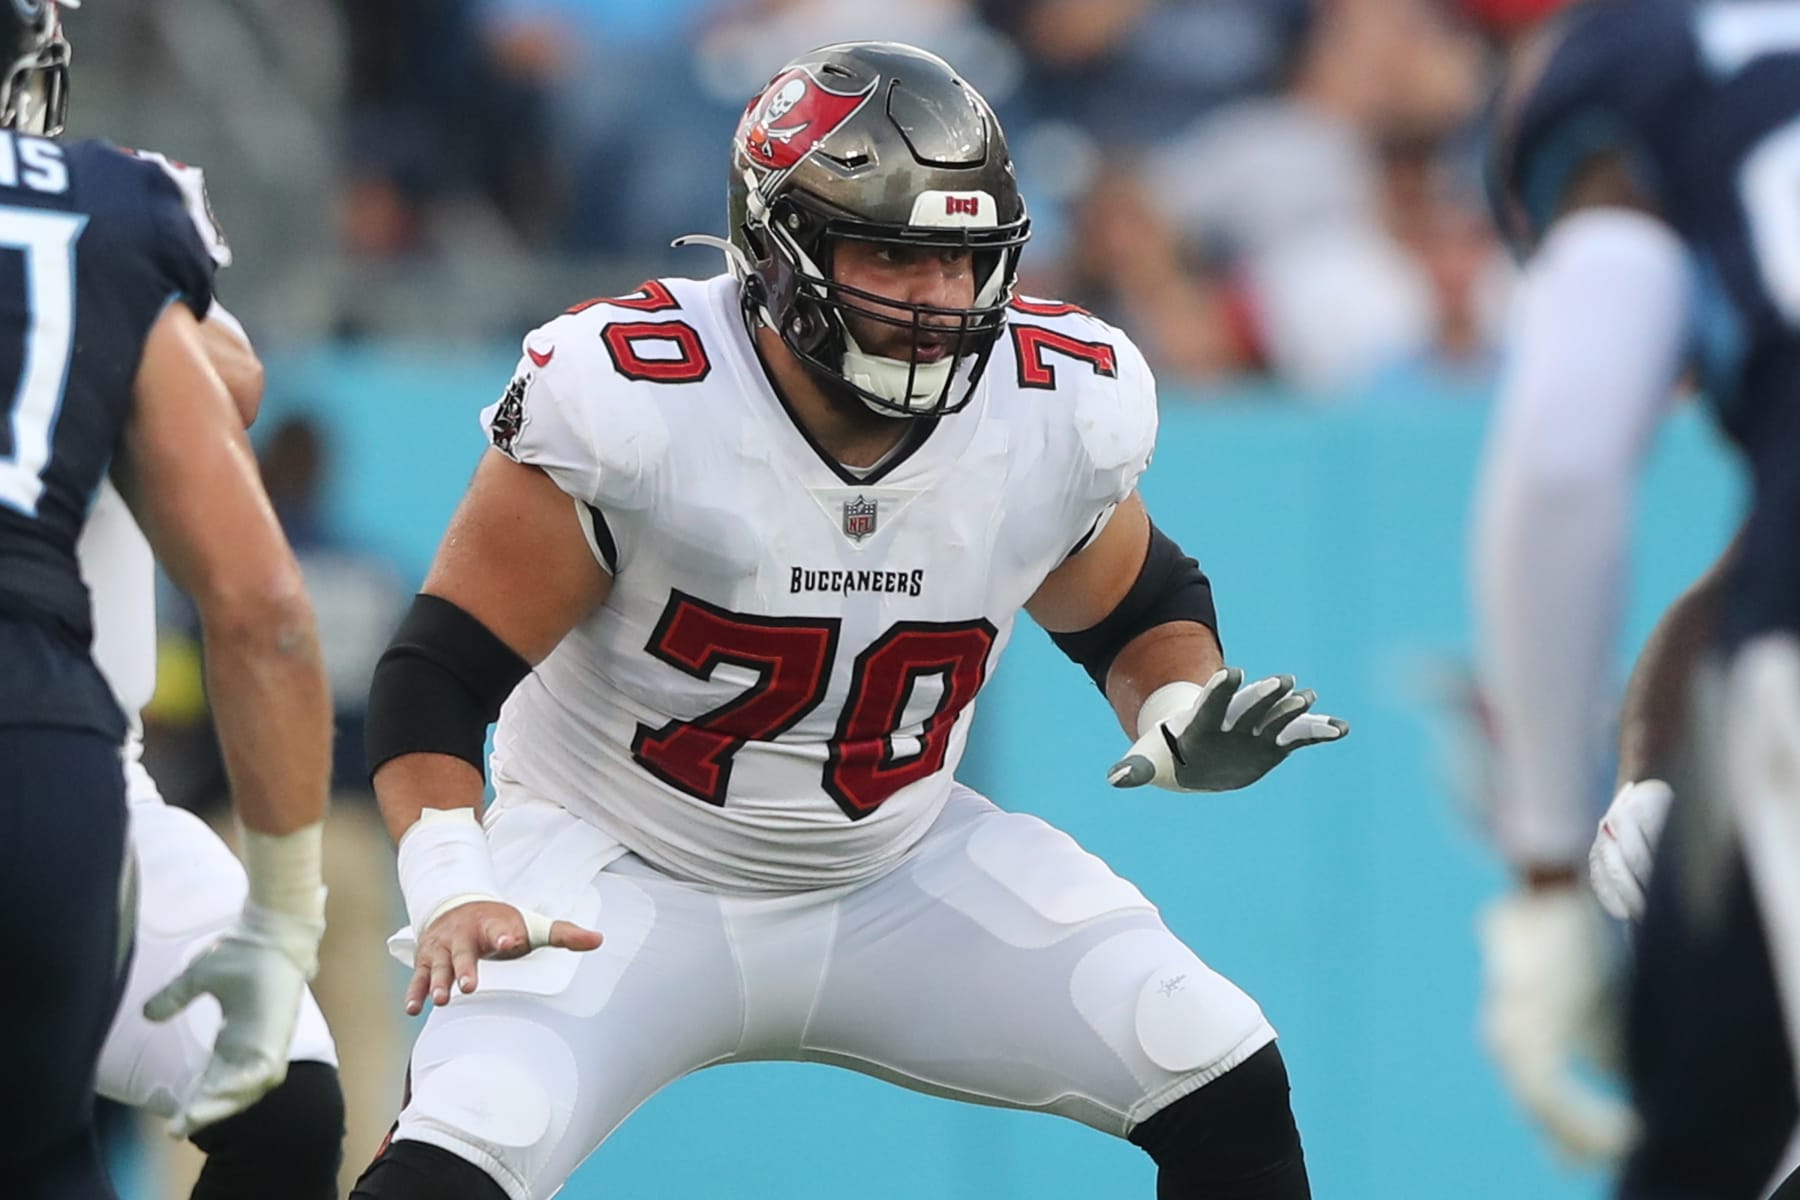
[(1231, 1139), (286, 1146), (417, 1171)]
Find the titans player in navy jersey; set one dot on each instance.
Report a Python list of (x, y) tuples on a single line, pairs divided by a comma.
[(103, 282), (1647, 162)]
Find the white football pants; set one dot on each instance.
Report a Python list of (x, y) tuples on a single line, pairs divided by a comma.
[(998, 963)]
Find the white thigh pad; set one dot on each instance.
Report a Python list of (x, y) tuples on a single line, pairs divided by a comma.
[(1186, 1016), (492, 1093), (620, 910), (1031, 884), (550, 860), (502, 1086)]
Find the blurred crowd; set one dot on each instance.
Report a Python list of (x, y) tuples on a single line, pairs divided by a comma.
[(1285, 188)]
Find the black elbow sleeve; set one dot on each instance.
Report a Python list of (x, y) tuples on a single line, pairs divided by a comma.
[(438, 686), (1170, 587)]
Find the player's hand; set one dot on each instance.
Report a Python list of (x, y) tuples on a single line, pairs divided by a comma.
[(1547, 1007), (257, 971), (1619, 860), (460, 937), (1223, 735)]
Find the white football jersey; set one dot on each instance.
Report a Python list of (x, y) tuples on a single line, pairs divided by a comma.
[(120, 573), (780, 684)]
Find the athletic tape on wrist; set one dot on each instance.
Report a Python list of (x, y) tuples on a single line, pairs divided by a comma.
[(444, 862), (284, 870)]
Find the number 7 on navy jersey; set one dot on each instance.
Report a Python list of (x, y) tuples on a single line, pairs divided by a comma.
[(46, 242)]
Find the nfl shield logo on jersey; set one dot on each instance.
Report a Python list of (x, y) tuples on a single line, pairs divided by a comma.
[(859, 518)]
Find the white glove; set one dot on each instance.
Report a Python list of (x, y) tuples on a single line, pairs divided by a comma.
[(1545, 1006), (1220, 736), (257, 970), (1619, 860)]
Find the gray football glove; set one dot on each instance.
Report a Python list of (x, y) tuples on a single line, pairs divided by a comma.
[(257, 970), (1220, 736)]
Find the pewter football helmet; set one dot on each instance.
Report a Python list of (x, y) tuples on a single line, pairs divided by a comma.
[(880, 142)]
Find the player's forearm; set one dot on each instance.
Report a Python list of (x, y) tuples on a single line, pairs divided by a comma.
[(272, 708), (1654, 714), (1549, 568), (1176, 650), (406, 786), (1598, 337)]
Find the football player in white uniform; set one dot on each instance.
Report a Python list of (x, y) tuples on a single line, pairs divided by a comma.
[(190, 886), (744, 556)]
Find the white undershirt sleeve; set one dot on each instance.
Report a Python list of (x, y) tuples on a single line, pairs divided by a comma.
[(1597, 350)]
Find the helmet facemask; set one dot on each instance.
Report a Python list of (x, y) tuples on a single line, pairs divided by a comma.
[(34, 95), (812, 310)]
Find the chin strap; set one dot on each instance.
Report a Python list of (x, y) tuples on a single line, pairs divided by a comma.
[(888, 377)]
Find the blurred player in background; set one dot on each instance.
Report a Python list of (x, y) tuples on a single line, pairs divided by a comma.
[(746, 551), (1647, 158), (110, 279)]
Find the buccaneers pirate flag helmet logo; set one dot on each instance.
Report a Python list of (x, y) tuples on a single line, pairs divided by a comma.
[(795, 113)]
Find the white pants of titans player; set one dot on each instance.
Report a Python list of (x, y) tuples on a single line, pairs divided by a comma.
[(191, 887), (999, 962)]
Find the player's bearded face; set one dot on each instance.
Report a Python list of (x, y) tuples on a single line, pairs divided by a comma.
[(941, 277)]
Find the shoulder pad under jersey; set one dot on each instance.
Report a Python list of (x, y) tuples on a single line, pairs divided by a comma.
[(1103, 385)]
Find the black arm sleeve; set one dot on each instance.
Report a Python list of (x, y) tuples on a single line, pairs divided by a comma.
[(438, 686), (1170, 587)]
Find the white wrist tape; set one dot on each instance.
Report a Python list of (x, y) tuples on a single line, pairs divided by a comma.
[(284, 871), (444, 862), (1167, 702)]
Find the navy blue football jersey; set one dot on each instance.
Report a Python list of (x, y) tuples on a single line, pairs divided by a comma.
[(1701, 99), (94, 244)]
